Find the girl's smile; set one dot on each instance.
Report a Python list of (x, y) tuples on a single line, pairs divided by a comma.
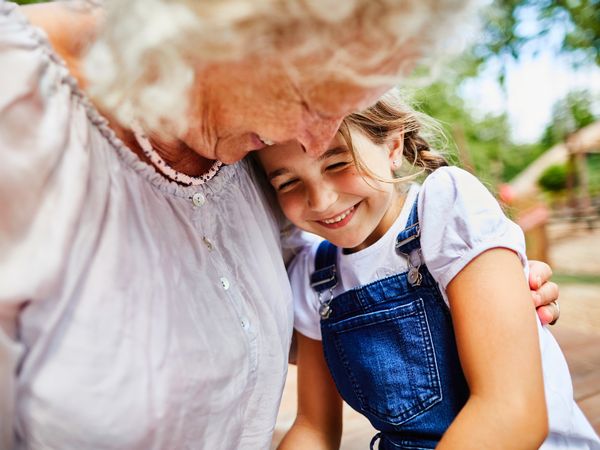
[(339, 220)]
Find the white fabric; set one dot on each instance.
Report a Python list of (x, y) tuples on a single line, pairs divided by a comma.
[(459, 220), (132, 316)]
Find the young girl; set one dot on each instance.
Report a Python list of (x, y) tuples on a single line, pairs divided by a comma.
[(418, 298)]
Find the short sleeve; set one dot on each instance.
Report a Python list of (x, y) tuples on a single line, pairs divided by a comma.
[(306, 304), (460, 219)]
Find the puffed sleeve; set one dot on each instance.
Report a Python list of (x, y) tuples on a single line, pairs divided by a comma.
[(306, 305), (460, 219), (38, 195)]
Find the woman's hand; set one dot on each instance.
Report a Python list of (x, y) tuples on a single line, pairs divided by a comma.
[(544, 292)]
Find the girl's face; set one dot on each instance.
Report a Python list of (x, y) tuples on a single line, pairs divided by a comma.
[(328, 196)]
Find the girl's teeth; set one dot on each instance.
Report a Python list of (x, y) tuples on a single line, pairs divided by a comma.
[(266, 141), (340, 217)]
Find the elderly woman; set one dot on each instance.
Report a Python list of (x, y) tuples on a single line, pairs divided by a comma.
[(143, 298)]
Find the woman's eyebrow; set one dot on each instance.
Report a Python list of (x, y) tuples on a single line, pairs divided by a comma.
[(332, 152)]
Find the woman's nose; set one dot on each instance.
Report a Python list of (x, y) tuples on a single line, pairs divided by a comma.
[(317, 135)]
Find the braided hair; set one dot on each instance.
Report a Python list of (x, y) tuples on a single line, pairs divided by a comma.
[(390, 119)]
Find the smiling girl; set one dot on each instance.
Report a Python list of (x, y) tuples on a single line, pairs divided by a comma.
[(415, 307)]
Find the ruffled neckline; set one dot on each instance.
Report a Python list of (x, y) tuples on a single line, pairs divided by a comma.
[(96, 119)]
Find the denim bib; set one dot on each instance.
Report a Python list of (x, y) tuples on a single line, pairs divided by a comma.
[(390, 348)]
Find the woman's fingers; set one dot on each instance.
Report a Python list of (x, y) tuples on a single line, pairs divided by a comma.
[(544, 292), (549, 314), (539, 273)]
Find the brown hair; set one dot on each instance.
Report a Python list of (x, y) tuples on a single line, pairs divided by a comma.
[(390, 119)]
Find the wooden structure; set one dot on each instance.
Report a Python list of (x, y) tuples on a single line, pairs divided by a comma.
[(532, 213), (579, 145)]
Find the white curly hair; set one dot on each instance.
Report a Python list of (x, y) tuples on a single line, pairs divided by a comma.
[(147, 53)]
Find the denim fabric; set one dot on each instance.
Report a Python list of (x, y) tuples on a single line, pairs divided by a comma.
[(391, 350)]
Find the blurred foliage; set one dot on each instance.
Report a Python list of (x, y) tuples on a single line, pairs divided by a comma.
[(554, 178), (512, 28), (568, 115), (510, 25), (27, 2), (593, 167), (481, 144)]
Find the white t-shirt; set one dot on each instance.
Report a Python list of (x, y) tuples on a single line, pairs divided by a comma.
[(459, 220)]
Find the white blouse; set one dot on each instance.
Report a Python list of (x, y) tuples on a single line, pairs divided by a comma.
[(134, 313)]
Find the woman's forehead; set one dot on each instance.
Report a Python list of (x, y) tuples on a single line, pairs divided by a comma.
[(309, 82)]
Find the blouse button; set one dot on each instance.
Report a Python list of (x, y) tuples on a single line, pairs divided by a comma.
[(245, 323), (225, 283), (198, 199), (208, 244)]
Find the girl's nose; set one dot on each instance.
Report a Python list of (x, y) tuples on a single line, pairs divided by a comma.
[(321, 197)]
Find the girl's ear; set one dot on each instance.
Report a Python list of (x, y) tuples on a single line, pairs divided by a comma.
[(396, 148)]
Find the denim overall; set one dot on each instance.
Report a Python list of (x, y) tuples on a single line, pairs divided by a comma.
[(390, 348)]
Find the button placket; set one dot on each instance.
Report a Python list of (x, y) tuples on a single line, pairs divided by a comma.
[(225, 279)]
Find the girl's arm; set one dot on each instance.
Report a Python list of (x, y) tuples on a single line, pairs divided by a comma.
[(318, 423), (496, 334)]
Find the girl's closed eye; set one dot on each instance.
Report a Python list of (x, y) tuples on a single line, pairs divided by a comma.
[(286, 185), (337, 166)]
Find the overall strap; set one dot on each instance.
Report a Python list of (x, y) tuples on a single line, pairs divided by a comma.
[(324, 278), (409, 238), (408, 244)]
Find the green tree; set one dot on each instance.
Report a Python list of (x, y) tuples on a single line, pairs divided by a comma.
[(513, 28), (574, 24), (569, 114), (554, 178)]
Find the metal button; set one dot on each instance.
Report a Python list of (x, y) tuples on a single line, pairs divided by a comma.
[(245, 323), (198, 199), (208, 244), (225, 283)]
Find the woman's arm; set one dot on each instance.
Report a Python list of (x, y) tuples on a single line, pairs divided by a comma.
[(497, 339), (318, 423)]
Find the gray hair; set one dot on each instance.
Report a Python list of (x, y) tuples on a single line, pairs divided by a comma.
[(147, 53)]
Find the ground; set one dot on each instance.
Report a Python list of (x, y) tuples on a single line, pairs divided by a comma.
[(575, 258)]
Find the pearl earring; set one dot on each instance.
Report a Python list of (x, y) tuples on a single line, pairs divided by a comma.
[(396, 163)]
